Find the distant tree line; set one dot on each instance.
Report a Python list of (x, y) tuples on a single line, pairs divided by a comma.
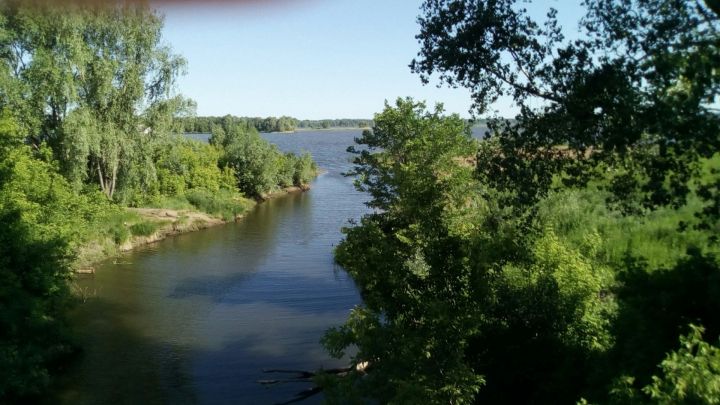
[(337, 123), (204, 125)]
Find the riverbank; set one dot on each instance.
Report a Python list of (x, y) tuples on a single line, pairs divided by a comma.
[(286, 190), (160, 223), (157, 224), (171, 321)]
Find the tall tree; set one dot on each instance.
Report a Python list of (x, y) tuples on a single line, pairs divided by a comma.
[(41, 217), (634, 93), (408, 260), (81, 80), (520, 284)]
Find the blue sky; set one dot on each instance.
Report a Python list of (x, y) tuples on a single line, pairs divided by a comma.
[(309, 59)]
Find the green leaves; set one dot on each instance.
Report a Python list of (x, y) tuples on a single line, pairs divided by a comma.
[(406, 258), (95, 84), (471, 291), (691, 374), (631, 99), (43, 221), (259, 166)]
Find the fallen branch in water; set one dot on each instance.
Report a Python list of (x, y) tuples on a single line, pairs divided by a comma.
[(303, 376)]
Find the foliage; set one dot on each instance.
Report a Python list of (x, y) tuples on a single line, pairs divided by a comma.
[(465, 300), (632, 98), (304, 169), (144, 228), (691, 374), (41, 220), (335, 123), (224, 203), (204, 125), (259, 166), (585, 240), (183, 164), (94, 83), (403, 258)]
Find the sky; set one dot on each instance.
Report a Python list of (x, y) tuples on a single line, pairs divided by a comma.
[(309, 59)]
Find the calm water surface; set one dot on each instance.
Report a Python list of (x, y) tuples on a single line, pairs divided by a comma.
[(195, 318)]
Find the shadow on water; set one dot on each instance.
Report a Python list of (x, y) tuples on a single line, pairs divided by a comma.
[(195, 318), (137, 369), (112, 352)]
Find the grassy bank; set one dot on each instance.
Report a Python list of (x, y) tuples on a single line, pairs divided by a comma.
[(124, 228)]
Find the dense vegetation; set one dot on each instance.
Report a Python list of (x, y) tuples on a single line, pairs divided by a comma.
[(260, 167), (204, 125), (89, 126), (573, 256), (335, 123)]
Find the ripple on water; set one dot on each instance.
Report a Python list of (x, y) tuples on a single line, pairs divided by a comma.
[(195, 318)]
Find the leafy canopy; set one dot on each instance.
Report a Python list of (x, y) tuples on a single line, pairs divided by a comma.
[(634, 94), (93, 83)]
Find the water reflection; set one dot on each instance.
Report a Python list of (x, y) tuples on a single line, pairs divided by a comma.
[(195, 318)]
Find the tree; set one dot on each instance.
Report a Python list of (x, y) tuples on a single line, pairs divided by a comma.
[(92, 83), (42, 217), (635, 94), (691, 373), (518, 282), (407, 260)]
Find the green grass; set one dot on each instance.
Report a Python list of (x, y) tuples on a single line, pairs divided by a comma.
[(144, 228), (656, 236), (223, 203), (115, 224), (170, 202)]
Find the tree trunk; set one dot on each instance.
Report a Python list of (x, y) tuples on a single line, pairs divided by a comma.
[(113, 181), (100, 176)]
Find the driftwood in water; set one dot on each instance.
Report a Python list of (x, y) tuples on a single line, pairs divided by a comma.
[(303, 376)]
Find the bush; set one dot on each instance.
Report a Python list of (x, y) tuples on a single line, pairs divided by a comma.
[(259, 166), (184, 164), (112, 224), (305, 170), (224, 203), (145, 228), (41, 219), (286, 170), (119, 234)]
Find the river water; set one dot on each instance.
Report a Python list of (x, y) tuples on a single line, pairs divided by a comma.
[(197, 317)]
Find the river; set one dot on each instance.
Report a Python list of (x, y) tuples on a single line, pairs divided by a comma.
[(197, 317)]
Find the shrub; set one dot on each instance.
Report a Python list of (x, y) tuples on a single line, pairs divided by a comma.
[(224, 203), (144, 228)]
